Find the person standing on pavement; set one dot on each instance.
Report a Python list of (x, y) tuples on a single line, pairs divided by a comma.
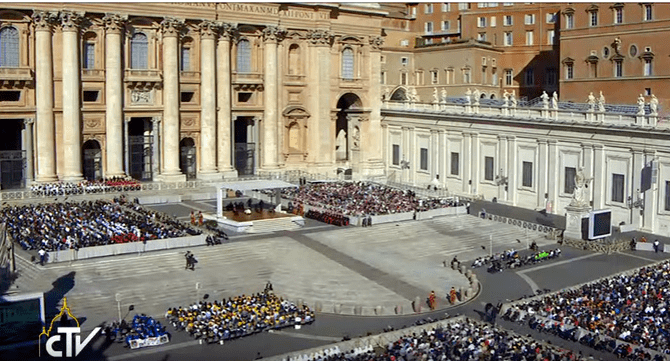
[(43, 256), (656, 245), (188, 259)]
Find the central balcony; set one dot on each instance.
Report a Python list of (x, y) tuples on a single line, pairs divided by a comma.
[(143, 78)]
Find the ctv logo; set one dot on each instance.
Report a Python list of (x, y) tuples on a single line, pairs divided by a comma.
[(70, 334)]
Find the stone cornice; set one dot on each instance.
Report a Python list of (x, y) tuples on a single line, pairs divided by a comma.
[(115, 23)]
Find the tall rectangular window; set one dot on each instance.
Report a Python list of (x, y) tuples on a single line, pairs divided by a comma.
[(508, 77), (527, 177), (433, 77), (618, 69), (445, 25), (508, 38), (493, 22), (454, 163), (463, 6), (569, 21), (529, 19), (530, 77), (403, 78), (446, 7), (593, 17), (647, 67), (488, 168), (348, 64), (89, 56), (507, 20), (424, 158), (9, 47), (494, 77), (618, 15), (428, 26), (383, 77), (529, 37), (617, 187), (648, 12), (569, 182), (550, 76), (667, 195), (396, 154), (551, 35), (481, 23), (429, 9), (466, 76), (569, 71), (185, 59), (484, 80), (551, 18), (481, 36)]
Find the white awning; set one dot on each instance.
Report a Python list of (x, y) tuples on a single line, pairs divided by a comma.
[(256, 184)]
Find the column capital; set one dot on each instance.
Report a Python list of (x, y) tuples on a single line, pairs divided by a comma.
[(320, 37), (273, 34), (227, 30), (541, 141), (171, 27), (552, 141), (376, 42), (651, 152), (28, 121), (208, 29), (511, 137), (114, 23), (586, 145), (156, 119), (636, 150), (70, 20), (43, 20), (598, 146)]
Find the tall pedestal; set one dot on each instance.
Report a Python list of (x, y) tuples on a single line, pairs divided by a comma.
[(573, 221)]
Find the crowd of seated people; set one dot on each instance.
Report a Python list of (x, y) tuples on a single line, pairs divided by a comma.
[(628, 307), (70, 225), (460, 340), (361, 198), (238, 316), (511, 259), (328, 217), (114, 184), (144, 327)]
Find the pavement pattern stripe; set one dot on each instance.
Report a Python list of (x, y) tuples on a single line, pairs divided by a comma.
[(554, 264), (401, 288)]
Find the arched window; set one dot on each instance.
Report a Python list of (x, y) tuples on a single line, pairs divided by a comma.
[(348, 64), (186, 54), (243, 56), (9, 47), (139, 52), (88, 53), (294, 59)]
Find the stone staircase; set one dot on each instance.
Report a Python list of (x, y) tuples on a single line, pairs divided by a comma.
[(274, 225), (31, 275)]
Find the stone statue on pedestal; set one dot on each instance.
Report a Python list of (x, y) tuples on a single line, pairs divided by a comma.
[(601, 102), (554, 101), (591, 101), (512, 99), (468, 96), (545, 99), (653, 105), (505, 98), (444, 95), (640, 105), (436, 99), (581, 183)]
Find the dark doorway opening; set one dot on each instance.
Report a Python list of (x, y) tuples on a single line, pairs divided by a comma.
[(187, 160), (245, 147), (12, 156), (92, 160), (140, 149)]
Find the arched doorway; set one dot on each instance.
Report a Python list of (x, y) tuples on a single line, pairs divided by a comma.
[(345, 105), (92, 160), (493, 96), (187, 162), (12, 154), (140, 148)]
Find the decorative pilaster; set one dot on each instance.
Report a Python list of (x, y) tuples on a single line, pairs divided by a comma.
[(321, 148), (171, 29), (541, 185), (467, 164), (512, 160), (46, 138), (552, 180), (28, 147), (651, 195), (71, 96), (599, 180), (271, 35), (372, 154), (637, 190), (114, 27), (208, 34)]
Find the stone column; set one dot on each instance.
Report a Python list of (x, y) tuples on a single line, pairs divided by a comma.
[(46, 136), (651, 203), (156, 146), (553, 178), (541, 172), (208, 32), (467, 166), (271, 36), (114, 27), (171, 171), (370, 140), (512, 168), (321, 132), (224, 139), (126, 152), (636, 182), (414, 155), (476, 164), (502, 165), (599, 177), (71, 96), (28, 147)]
